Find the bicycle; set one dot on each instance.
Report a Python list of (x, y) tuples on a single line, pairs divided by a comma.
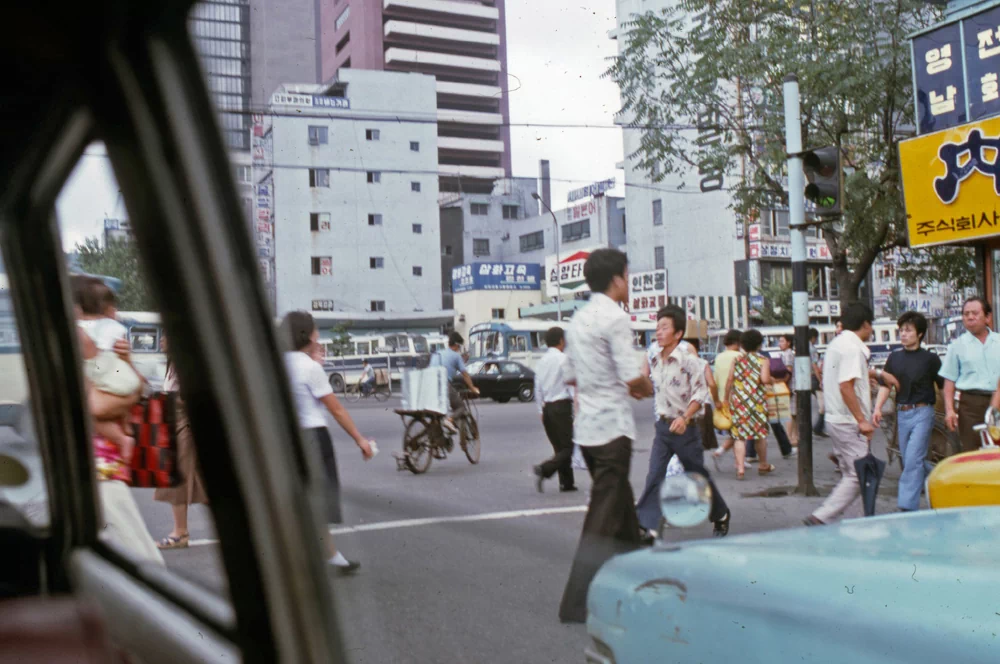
[(943, 443), (425, 437), (379, 392)]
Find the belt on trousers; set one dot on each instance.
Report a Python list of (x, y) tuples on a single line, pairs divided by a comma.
[(554, 403), (903, 407), (977, 393)]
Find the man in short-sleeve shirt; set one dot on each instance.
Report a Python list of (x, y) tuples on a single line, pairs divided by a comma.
[(606, 370), (848, 408)]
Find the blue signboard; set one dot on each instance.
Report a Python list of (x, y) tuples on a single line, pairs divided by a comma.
[(982, 63), (496, 276), (939, 80)]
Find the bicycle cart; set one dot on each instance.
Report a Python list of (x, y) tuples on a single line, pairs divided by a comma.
[(425, 437), (380, 391), (943, 443)]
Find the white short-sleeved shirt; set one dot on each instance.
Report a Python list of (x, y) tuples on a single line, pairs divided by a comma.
[(309, 385), (846, 359), (601, 361)]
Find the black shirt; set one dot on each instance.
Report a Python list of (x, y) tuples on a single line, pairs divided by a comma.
[(917, 372)]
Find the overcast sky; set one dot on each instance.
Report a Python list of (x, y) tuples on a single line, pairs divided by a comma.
[(556, 53)]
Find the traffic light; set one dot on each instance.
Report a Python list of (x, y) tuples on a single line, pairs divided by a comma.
[(825, 174)]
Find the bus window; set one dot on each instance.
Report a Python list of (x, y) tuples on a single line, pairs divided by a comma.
[(363, 348), (538, 340), (639, 338), (144, 340), (516, 343), (885, 335), (419, 343)]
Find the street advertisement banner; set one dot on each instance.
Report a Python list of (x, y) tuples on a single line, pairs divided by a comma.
[(647, 291), (595, 189), (569, 275), (496, 276), (950, 184)]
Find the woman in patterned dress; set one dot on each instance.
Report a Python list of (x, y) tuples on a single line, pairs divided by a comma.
[(746, 396)]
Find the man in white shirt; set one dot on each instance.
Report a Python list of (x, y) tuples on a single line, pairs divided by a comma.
[(555, 404), (367, 377), (848, 409), (606, 371)]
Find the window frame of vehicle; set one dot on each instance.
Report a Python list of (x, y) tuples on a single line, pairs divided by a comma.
[(176, 181)]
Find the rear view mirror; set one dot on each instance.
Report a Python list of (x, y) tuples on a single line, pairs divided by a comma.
[(685, 500)]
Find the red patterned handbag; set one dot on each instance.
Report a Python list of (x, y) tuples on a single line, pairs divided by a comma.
[(154, 461)]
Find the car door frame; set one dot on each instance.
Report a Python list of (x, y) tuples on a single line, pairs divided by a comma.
[(144, 96)]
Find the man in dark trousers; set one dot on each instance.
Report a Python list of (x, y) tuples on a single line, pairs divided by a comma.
[(971, 368), (555, 403), (606, 371)]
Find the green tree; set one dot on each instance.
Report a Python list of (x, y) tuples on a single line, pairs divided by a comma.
[(703, 81), (777, 309), (340, 341), (119, 260)]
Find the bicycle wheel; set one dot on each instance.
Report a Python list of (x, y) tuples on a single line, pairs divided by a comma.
[(417, 447), (470, 438), (381, 394), (943, 444), (353, 394)]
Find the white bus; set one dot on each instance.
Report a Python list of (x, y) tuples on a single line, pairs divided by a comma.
[(390, 352), (145, 335)]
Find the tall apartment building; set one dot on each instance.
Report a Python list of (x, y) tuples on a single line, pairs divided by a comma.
[(462, 43)]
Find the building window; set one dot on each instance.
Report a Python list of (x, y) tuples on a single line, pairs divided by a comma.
[(374, 220), (480, 209), (778, 226), (775, 273), (374, 177), (244, 175), (578, 230), (319, 221), (510, 212), (319, 177), (378, 305), (372, 134), (414, 186), (832, 287), (376, 262), (498, 314), (533, 241), (446, 250), (814, 281), (318, 135), (322, 265), (418, 229), (414, 146), (342, 44), (658, 212), (659, 260), (344, 15), (480, 247), (418, 271)]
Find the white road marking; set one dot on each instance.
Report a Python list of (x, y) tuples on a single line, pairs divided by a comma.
[(430, 521)]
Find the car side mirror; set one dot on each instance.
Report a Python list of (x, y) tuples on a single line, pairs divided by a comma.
[(685, 500)]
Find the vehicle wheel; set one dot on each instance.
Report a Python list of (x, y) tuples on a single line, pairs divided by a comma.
[(525, 393), (382, 394), (470, 439), (417, 447), (943, 444), (337, 383), (502, 399), (353, 394)]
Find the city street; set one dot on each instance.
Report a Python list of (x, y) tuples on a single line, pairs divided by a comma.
[(467, 563)]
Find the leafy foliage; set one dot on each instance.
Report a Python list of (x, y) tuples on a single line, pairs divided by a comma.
[(777, 309), (119, 260), (703, 80), (340, 341)]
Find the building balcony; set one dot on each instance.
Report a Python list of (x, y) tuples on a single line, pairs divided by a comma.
[(469, 117), (442, 9), (430, 34), (476, 172), (469, 90), (451, 143), (431, 62)]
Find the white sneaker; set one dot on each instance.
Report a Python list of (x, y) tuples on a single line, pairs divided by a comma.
[(791, 455)]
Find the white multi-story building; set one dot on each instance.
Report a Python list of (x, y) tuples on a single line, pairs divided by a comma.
[(347, 193)]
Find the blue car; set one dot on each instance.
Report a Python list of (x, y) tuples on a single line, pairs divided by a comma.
[(918, 587)]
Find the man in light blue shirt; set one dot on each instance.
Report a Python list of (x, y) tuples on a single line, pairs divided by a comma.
[(451, 359), (972, 367)]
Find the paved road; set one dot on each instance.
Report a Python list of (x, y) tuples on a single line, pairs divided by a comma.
[(485, 587)]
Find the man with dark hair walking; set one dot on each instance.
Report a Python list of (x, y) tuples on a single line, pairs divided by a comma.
[(916, 370), (555, 404), (848, 409), (681, 391), (605, 369), (972, 367)]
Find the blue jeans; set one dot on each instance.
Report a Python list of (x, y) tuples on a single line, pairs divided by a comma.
[(914, 428)]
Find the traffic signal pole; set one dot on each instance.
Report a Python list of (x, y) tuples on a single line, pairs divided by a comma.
[(800, 298)]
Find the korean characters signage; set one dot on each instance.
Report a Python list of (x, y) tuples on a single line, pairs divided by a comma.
[(581, 211), (647, 291), (570, 273), (950, 184), (814, 252), (496, 276)]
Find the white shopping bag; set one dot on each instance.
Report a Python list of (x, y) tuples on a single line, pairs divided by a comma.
[(426, 389), (675, 467), (578, 461)]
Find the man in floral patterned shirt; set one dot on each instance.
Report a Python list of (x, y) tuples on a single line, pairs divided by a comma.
[(680, 392)]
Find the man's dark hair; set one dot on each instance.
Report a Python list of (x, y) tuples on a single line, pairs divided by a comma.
[(602, 267), (751, 340), (917, 320), (677, 316), (554, 336), (295, 330), (455, 339), (790, 338), (695, 342), (732, 337), (92, 295), (987, 309), (856, 314), (813, 334)]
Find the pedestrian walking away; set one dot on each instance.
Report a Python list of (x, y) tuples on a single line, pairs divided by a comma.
[(786, 345), (709, 441), (605, 371), (314, 395), (555, 404), (916, 370), (971, 370), (747, 399), (722, 369), (680, 395), (819, 429), (848, 410)]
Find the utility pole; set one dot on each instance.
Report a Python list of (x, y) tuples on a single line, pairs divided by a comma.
[(555, 239), (800, 297)]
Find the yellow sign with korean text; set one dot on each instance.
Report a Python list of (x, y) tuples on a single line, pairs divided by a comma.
[(951, 184)]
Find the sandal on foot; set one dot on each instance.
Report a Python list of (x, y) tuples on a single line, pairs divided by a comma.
[(739, 474), (171, 542), (767, 470)]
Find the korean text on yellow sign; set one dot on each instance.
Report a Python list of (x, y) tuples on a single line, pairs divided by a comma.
[(951, 184)]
